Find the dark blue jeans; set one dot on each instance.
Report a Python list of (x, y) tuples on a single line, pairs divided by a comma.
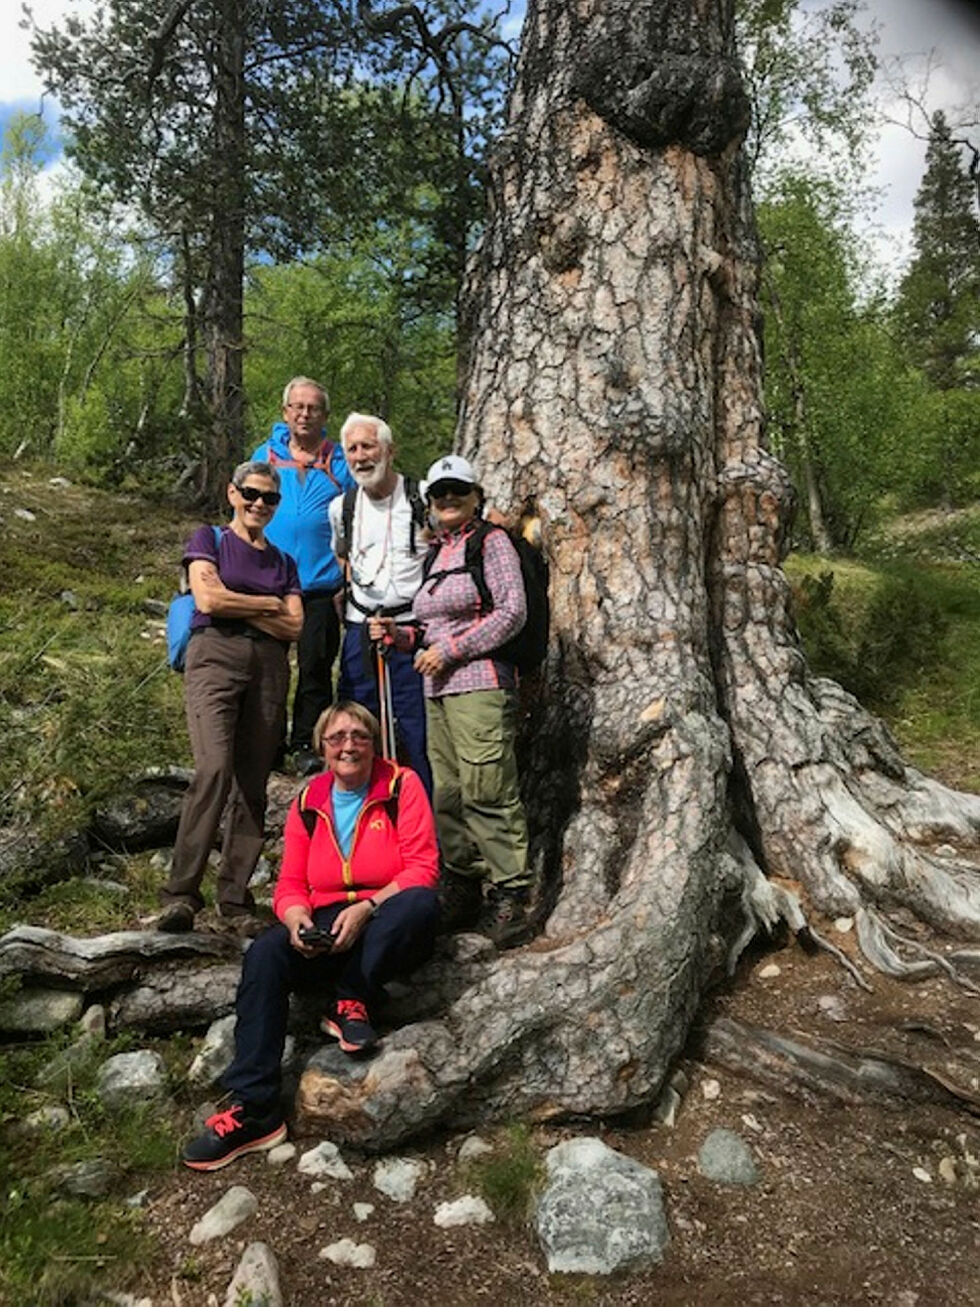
[(397, 939), (359, 681)]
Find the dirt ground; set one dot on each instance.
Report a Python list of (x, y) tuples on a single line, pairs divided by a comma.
[(838, 1216)]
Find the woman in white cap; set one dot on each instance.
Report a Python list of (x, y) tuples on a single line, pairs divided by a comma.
[(470, 693)]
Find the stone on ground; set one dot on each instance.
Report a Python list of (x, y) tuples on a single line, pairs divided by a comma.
[(600, 1211), (398, 1177), (256, 1281), (132, 1079), (93, 1178), (345, 1252), (468, 1210), (281, 1154), (233, 1207), (727, 1158), (40, 1011), (472, 1147), (325, 1162)]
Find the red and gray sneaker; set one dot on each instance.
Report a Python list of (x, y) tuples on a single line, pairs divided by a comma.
[(231, 1134), (349, 1024)]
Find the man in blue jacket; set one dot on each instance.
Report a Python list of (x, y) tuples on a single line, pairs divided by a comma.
[(313, 471)]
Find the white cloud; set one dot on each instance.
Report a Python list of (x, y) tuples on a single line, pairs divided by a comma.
[(18, 79)]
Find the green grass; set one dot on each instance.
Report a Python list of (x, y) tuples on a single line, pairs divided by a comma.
[(86, 697), (507, 1177), (926, 671), (80, 907), (56, 1249)]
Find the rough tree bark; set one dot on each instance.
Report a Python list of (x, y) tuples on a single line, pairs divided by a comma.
[(683, 765)]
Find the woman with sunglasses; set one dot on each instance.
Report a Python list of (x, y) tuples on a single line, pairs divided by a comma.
[(248, 609), (357, 905), (470, 709)]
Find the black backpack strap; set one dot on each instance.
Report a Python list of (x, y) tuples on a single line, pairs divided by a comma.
[(473, 555), (417, 504), (347, 518), (308, 815), (391, 803)]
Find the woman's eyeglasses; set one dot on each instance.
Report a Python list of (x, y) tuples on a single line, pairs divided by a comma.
[(336, 738), (443, 488), (250, 494)]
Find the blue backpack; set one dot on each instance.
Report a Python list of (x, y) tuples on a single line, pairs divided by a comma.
[(179, 616)]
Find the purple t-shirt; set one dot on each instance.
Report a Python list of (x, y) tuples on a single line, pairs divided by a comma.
[(250, 571)]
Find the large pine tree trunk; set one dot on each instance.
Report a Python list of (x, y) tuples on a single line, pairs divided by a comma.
[(679, 755)]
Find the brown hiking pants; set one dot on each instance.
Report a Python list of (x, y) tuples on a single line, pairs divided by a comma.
[(235, 690)]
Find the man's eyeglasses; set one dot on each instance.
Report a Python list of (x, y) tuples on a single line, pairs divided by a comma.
[(305, 408), (336, 738), (250, 494), (443, 488)]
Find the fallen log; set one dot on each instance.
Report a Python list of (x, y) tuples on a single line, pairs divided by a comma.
[(176, 998), (824, 1067), (34, 955)]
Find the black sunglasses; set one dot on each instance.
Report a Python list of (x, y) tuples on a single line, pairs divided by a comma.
[(443, 488), (251, 495)]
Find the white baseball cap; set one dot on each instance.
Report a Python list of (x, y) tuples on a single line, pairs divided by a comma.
[(452, 467)]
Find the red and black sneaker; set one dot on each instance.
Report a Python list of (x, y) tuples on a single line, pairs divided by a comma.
[(230, 1134), (350, 1026)]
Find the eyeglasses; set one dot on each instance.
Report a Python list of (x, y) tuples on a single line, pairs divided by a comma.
[(443, 488), (336, 738), (251, 495), (305, 408)]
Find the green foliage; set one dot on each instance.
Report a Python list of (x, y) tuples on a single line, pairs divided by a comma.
[(507, 1177), (844, 431), (878, 647), (809, 71)]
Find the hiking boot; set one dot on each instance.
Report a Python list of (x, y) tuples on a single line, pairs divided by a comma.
[(176, 918), (350, 1026), (505, 919), (244, 922), (460, 901), (231, 1134)]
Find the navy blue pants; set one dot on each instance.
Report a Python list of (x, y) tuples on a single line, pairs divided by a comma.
[(359, 681), (316, 652), (397, 939)]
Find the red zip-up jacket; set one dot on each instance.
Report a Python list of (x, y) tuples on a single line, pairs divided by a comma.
[(314, 872)]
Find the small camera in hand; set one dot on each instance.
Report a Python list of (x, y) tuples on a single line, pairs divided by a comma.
[(314, 937)]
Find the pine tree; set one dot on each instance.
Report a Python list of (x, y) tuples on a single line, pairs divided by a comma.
[(940, 294)]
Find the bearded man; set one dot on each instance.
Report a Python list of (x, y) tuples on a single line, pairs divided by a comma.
[(379, 530)]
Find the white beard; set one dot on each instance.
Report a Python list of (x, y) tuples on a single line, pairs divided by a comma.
[(373, 479)]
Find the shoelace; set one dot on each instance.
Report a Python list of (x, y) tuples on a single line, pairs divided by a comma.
[(351, 1009), (224, 1122)]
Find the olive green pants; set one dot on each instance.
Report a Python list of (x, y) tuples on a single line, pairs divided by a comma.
[(479, 814)]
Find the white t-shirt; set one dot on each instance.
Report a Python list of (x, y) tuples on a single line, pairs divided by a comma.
[(384, 572)]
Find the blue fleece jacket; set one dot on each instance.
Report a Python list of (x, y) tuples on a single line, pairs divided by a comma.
[(301, 525)]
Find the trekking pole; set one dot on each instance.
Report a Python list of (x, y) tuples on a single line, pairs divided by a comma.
[(390, 712), (384, 702)]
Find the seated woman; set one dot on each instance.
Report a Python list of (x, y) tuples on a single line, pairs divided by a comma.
[(360, 865), (471, 709), (248, 608)]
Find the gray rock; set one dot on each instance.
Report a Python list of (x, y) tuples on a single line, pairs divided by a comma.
[(177, 997), (831, 1007), (281, 1154), (233, 1207), (600, 1211), (114, 887), (40, 1011), (46, 1119), (132, 1079), (215, 1053), (256, 1281), (363, 1210), (156, 607), (28, 862), (93, 1178), (25, 515), (471, 1148), (144, 816), (345, 1252), (668, 1106), (325, 1162), (397, 1177), (727, 1158), (59, 483), (92, 1021), (468, 1210), (66, 1065)]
